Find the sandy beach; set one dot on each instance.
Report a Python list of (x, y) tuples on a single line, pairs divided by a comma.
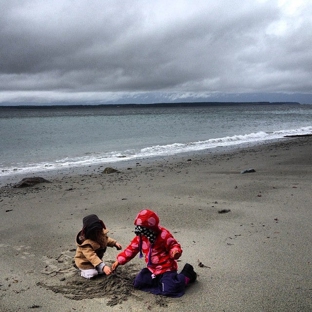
[(256, 256)]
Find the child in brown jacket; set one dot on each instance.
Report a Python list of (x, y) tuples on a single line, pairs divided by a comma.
[(91, 242)]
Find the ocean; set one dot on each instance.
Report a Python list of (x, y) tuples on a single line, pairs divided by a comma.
[(37, 139)]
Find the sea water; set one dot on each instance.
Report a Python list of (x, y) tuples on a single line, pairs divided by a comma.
[(54, 138)]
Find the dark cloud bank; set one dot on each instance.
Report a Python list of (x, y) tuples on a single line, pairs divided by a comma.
[(145, 52)]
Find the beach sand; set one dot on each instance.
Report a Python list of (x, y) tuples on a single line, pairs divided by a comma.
[(255, 257)]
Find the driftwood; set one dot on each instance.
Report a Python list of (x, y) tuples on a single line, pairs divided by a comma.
[(224, 210), (248, 171), (297, 135)]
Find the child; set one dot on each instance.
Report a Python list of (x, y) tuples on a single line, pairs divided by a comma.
[(92, 241), (161, 252)]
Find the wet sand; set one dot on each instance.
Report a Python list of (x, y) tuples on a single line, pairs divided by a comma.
[(256, 256)]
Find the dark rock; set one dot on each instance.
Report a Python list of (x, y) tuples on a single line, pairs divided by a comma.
[(30, 182), (109, 170)]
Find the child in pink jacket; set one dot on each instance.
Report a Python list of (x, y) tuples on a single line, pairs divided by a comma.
[(161, 252)]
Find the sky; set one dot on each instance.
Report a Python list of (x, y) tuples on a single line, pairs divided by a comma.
[(143, 51)]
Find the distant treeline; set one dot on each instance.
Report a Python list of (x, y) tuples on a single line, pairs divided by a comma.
[(182, 104)]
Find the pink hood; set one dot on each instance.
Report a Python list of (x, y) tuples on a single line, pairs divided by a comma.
[(147, 218)]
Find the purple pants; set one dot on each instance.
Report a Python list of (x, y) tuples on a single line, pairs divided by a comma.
[(169, 284)]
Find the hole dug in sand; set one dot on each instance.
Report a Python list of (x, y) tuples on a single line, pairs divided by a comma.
[(63, 278), (118, 286)]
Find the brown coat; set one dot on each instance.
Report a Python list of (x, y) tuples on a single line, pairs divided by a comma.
[(89, 253)]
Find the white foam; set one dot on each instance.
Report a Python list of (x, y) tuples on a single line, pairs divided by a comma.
[(151, 151)]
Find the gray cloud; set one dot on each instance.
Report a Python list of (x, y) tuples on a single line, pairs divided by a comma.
[(144, 50)]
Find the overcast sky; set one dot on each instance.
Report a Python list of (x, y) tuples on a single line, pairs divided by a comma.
[(143, 51)]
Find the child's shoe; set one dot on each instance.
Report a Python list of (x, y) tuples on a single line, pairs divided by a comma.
[(189, 272)]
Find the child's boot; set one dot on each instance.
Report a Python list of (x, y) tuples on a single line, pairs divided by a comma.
[(189, 273)]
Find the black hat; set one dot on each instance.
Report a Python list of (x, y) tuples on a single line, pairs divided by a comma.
[(91, 223)]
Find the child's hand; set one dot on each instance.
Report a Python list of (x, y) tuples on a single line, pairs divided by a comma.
[(118, 246), (175, 254), (107, 270), (115, 266)]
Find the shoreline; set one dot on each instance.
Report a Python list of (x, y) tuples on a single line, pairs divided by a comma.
[(11, 179), (256, 257)]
